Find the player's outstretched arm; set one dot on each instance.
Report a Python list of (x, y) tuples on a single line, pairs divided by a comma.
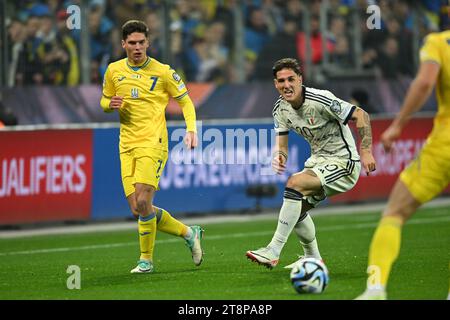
[(365, 133), (418, 93)]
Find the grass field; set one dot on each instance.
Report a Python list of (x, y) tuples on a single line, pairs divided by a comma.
[(35, 267)]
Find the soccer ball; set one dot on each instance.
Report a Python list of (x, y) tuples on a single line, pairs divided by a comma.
[(309, 275)]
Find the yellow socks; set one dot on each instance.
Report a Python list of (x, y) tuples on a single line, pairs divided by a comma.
[(168, 224), (160, 220), (384, 250), (147, 235)]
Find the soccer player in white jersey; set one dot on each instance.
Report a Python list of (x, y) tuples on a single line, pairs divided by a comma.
[(333, 167)]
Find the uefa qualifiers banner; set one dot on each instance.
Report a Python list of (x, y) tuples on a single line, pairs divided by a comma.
[(59, 175), (45, 175)]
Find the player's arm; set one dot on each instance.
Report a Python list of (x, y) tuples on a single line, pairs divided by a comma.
[(177, 89), (364, 128), (111, 104), (109, 101), (281, 150), (416, 96), (280, 153), (187, 106)]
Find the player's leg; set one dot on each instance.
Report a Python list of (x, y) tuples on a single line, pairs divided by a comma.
[(336, 176), (297, 186), (421, 181), (306, 233), (148, 164), (146, 226), (192, 234), (168, 224), (128, 168), (385, 245)]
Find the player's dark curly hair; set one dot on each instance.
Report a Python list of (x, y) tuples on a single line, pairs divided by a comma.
[(134, 26), (288, 63)]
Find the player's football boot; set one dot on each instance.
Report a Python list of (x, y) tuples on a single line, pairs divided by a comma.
[(300, 258), (264, 256), (143, 266), (194, 244), (376, 294)]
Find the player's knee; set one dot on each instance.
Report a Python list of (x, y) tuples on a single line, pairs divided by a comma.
[(400, 214), (296, 184), (402, 211), (142, 207)]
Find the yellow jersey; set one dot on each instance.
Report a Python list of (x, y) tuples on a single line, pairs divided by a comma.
[(436, 48), (145, 90)]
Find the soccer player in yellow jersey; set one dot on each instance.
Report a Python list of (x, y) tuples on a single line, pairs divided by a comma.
[(425, 177), (138, 87)]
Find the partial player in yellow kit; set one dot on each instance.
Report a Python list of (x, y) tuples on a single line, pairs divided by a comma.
[(138, 87), (425, 177)]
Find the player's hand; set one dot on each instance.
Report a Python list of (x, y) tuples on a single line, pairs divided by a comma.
[(368, 161), (279, 162), (116, 102), (389, 136), (190, 140)]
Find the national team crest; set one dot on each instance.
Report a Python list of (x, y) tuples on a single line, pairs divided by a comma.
[(336, 107), (134, 93)]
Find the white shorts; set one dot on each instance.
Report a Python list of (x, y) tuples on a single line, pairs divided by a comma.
[(336, 175)]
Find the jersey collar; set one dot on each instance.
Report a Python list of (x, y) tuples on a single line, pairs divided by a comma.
[(136, 68)]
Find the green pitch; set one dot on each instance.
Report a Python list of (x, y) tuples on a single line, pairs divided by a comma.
[(35, 267)]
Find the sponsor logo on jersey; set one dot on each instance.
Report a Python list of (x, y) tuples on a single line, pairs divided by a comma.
[(121, 78)]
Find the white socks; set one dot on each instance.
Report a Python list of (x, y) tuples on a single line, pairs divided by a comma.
[(289, 215), (306, 233), (288, 220)]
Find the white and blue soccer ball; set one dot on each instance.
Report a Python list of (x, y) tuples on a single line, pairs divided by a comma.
[(309, 275)]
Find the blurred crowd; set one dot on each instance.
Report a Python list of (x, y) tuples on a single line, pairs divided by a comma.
[(203, 33)]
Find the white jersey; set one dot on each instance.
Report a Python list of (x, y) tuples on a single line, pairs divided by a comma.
[(322, 121)]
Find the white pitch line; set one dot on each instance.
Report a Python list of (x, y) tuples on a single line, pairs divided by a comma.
[(218, 237)]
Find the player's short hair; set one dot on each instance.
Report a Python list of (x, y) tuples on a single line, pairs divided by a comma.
[(286, 63), (134, 26)]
